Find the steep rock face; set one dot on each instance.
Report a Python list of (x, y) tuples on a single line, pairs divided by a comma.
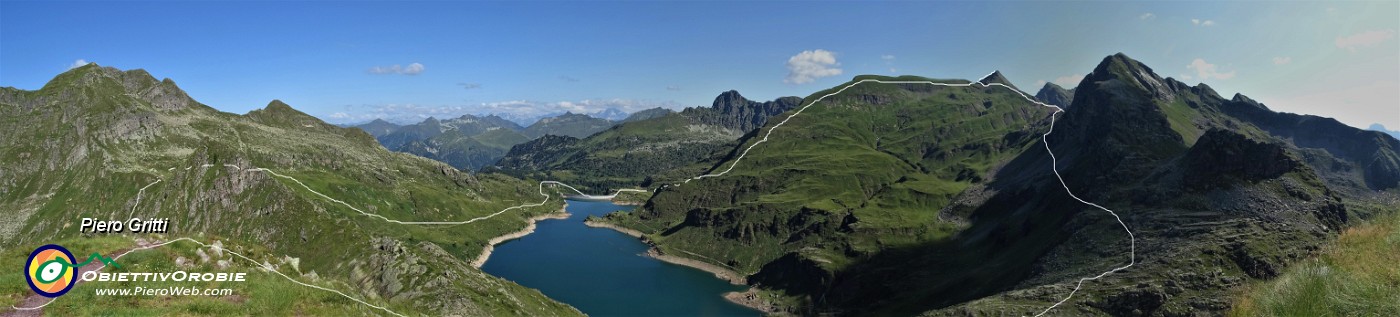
[(1180, 165), (734, 111), (1120, 103), (1222, 155)]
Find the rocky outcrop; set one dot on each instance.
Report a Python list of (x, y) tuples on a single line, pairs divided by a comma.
[(1221, 156), (734, 111)]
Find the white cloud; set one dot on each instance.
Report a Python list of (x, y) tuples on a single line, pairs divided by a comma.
[(887, 57), (1206, 70), (411, 69), (1068, 81), (1280, 60), (1207, 23), (78, 63), (808, 66), (1364, 39), (1199, 22), (1147, 16)]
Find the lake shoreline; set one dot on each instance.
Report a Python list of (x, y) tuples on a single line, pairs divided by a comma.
[(747, 298), (722, 273), (563, 213), (750, 298)]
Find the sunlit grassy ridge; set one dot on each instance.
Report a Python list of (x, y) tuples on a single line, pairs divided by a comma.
[(85, 144), (859, 173)]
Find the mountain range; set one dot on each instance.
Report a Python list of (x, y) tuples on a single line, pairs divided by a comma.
[(471, 142), (109, 144), (649, 148), (904, 199), (957, 198)]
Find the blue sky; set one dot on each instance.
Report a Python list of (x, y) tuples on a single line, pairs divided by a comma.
[(352, 61)]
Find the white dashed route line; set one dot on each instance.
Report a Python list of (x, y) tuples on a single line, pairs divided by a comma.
[(1132, 255), (138, 197), (1044, 139)]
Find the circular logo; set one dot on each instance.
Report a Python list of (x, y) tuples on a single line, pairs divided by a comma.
[(50, 271)]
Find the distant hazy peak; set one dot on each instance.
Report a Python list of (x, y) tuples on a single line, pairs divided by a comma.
[(1055, 95)]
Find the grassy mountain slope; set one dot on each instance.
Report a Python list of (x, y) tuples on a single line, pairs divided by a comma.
[(87, 142), (874, 168), (467, 142), (567, 124), (1354, 276), (896, 200)]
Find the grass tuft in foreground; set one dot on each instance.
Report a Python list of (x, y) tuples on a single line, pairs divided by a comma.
[(1357, 276)]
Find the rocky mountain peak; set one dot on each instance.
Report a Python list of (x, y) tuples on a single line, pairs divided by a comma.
[(1131, 75), (729, 100), (731, 109), (137, 83), (1055, 95), (997, 78), (1240, 98)]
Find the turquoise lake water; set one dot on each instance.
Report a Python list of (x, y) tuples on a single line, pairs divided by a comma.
[(605, 273)]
